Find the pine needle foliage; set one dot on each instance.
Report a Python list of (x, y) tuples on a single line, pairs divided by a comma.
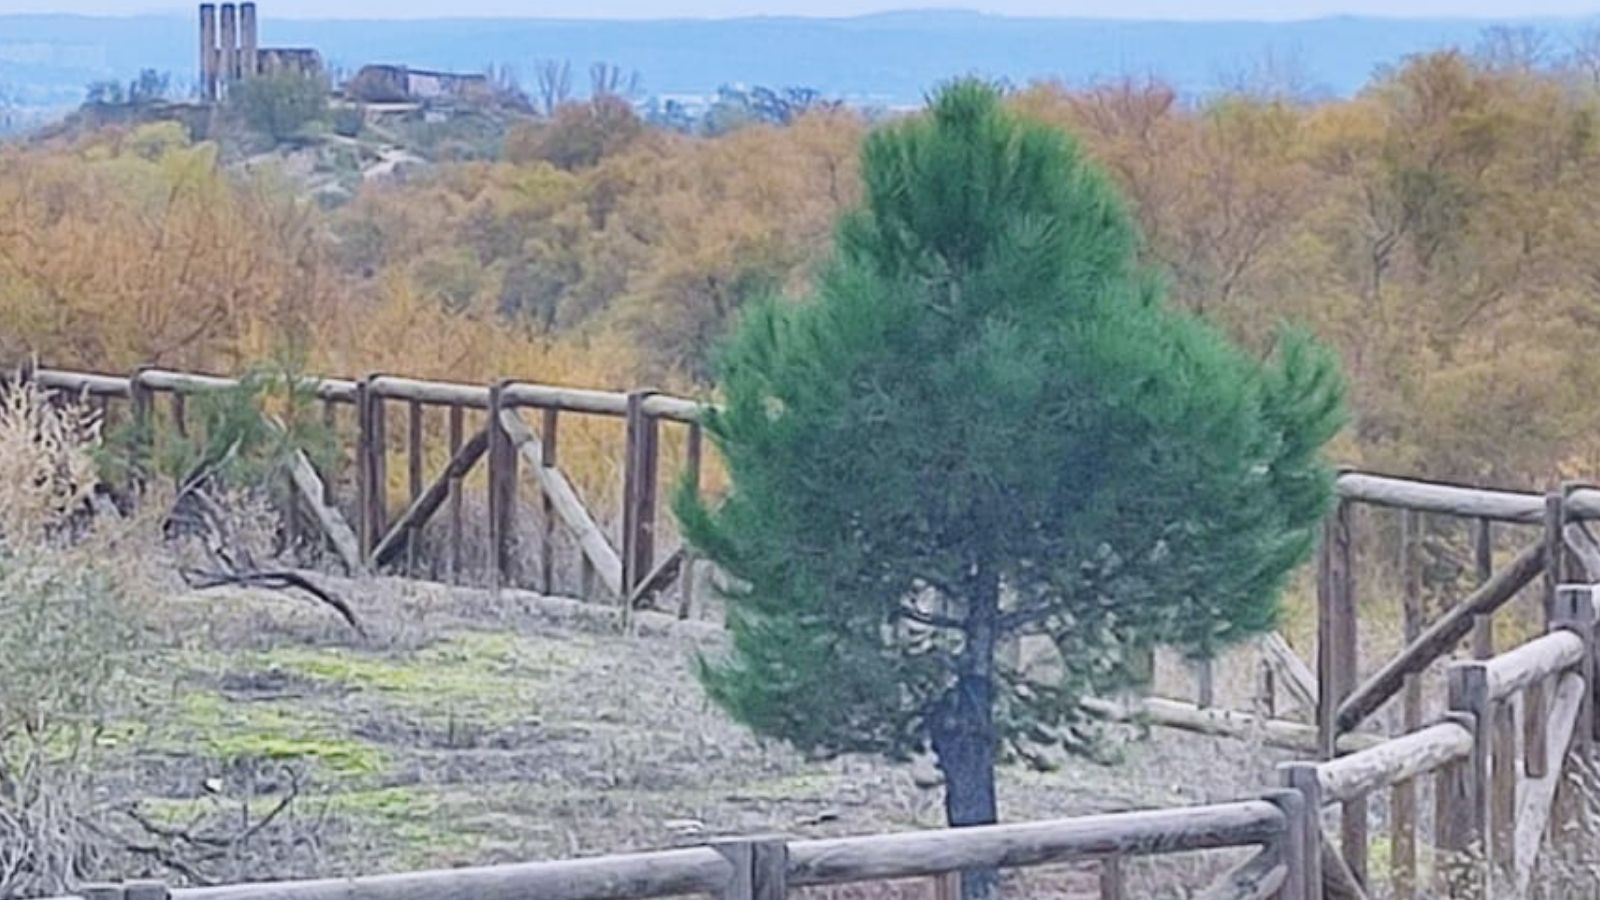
[(986, 424)]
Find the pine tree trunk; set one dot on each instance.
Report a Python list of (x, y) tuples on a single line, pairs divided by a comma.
[(964, 737)]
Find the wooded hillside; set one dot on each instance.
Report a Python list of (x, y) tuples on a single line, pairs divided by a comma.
[(1439, 230)]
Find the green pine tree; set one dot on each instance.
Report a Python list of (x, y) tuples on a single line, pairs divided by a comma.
[(985, 425)]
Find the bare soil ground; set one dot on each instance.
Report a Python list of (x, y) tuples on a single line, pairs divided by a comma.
[(468, 730)]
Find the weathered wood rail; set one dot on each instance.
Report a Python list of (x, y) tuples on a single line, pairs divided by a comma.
[(1495, 789), (1513, 720), (766, 868), (376, 535)]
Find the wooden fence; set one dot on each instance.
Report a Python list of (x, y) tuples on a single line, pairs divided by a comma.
[(1556, 547), (1498, 760), (767, 868), (1513, 725), (497, 435)]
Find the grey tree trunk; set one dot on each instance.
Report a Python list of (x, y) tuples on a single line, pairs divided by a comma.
[(963, 733)]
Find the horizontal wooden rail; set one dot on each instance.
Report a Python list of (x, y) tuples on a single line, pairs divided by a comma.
[(335, 389), (1460, 500), (82, 383), (1222, 723), (1438, 639), (442, 393), (921, 853), (438, 393), (1533, 662), (667, 873), (184, 382), (765, 868), (1392, 762), (632, 575)]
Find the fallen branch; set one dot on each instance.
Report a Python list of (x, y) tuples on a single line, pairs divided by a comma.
[(197, 514), (272, 580), (187, 850)]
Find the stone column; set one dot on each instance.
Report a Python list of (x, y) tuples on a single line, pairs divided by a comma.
[(208, 51), (248, 56), (230, 44)]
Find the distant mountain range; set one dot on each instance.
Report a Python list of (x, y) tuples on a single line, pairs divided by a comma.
[(890, 59)]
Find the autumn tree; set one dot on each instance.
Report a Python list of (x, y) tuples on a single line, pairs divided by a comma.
[(986, 425)]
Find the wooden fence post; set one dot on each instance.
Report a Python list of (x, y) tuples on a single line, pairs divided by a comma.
[(379, 447), (179, 412), (1452, 797), (372, 469), (414, 461), (549, 444), (457, 415), (1335, 626), (1113, 886), (1337, 656), (1293, 845), (1575, 612), (1468, 817), (140, 401), (502, 490), (330, 424), (638, 499), (1301, 779), (639, 495), (693, 452), (1403, 796), (146, 890), (1482, 624), (760, 868), (1534, 699), (363, 478), (1502, 839)]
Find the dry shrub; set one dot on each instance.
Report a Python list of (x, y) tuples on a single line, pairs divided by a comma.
[(78, 589), (66, 643), (47, 467), (63, 652)]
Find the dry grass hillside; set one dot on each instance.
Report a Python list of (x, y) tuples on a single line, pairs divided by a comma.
[(465, 729)]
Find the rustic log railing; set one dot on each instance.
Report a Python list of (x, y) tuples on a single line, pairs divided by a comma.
[(767, 868), (1513, 720), (1558, 547), (371, 540), (1497, 757)]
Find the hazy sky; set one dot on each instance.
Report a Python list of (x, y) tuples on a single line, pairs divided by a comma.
[(1163, 9)]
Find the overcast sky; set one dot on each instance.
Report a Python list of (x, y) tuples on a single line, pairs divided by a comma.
[(639, 9)]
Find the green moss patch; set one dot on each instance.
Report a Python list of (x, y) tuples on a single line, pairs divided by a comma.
[(231, 731)]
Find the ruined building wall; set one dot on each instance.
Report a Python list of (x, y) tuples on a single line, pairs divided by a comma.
[(401, 84)]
